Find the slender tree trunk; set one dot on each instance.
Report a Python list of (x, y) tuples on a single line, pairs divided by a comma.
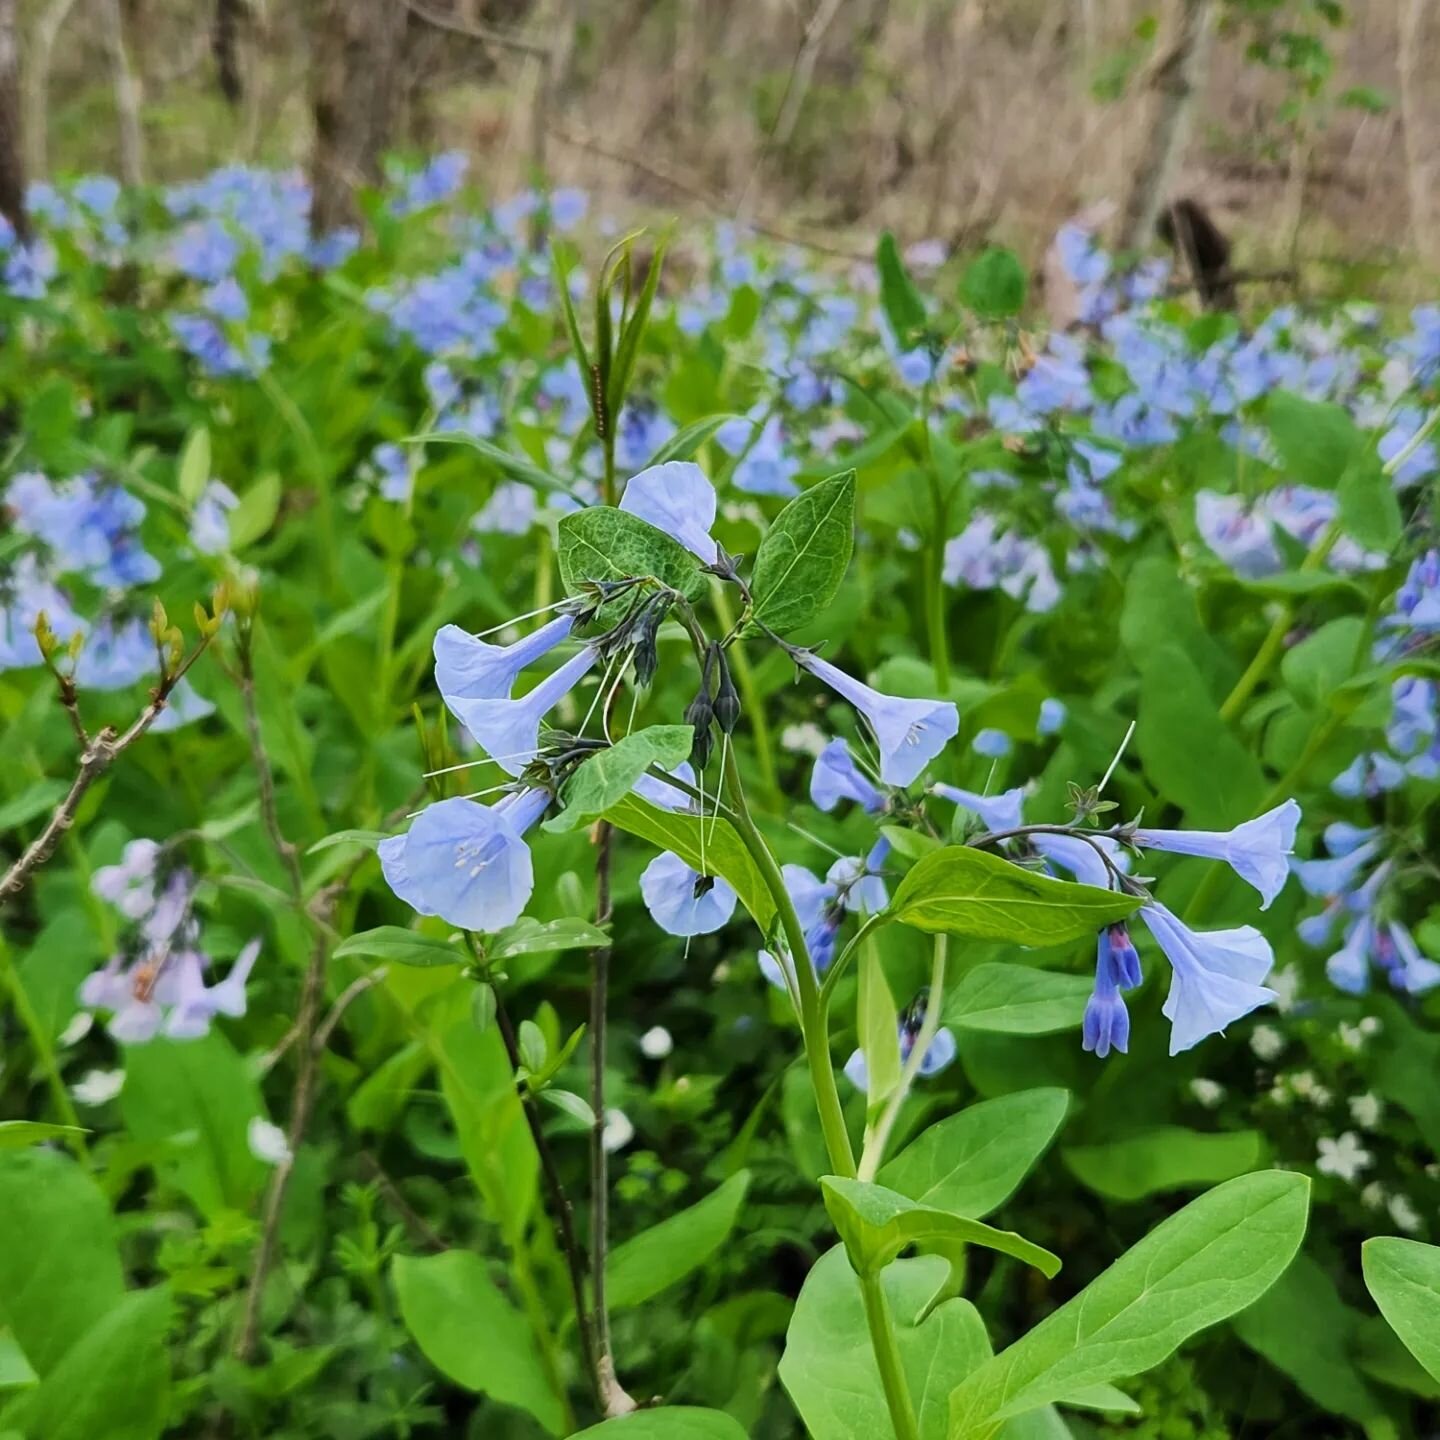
[(12, 162), (1419, 157), (127, 94), (39, 47), (355, 68), (1176, 82)]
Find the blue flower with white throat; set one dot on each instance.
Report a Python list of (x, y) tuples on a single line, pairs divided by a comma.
[(683, 901)]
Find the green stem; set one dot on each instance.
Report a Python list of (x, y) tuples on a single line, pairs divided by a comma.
[(814, 1012), (939, 640), (44, 1052), (752, 700), (535, 1310), (873, 1155), (1274, 641), (887, 1357)]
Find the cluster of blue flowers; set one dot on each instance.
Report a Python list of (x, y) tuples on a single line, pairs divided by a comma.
[(156, 983)]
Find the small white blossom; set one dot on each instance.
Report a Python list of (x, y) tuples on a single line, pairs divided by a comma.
[(98, 1086), (618, 1132), (1286, 985), (1365, 1110), (1267, 1042), (656, 1044), (1208, 1092), (1371, 1025), (77, 1029), (1344, 1158), (267, 1142), (1373, 1195), (1404, 1214), (804, 739), (1352, 1037)]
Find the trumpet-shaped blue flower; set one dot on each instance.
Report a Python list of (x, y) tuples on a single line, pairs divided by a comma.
[(667, 797), (681, 900), (1369, 775), (677, 498), (467, 668), (1052, 716), (938, 1055), (1349, 967), (509, 730), (856, 883), (837, 777), (996, 812), (1215, 976), (1341, 837), (992, 744), (465, 862), (909, 733), (1411, 971), (1337, 875), (1256, 851)]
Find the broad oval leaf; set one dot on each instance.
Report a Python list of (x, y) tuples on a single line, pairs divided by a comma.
[(402, 947), (610, 774), (471, 1333), (828, 1368), (1168, 1157), (672, 1422), (603, 543), (994, 284), (804, 555), (668, 1252), (965, 891), (528, 936), (1017, 1000), (1404, 1278), (17, 1134), (1219, 1254), (876, 1224), (971, 1163)]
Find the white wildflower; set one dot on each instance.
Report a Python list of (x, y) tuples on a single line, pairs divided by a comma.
[(267, 1142), (1343, 1158), (618, 1132), (98, 1086), (656, 1044)]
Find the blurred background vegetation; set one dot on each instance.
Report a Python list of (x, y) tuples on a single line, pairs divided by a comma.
[(1312, 135)]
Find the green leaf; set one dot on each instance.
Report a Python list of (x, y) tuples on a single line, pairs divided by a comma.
[(972, 1162), (565, 259), (1307, 1332), (828, 1368), (402, 947), (196, 1099), (368, 838), (32, 802), (665, 1254), (16, 1372), (114, 1382), (59, 1264), (609, 775), (533, 1046), (804, 555), (1316, 440), (1321, 663), (618, 381), (904, 308), (1369, 510), (1202, 1265), (971, 892), (515, 466), (876, 1224), (673, 1422), (1404, 1278), (194, 470), (994, 285), (1188, 752), (1168, 1157), (472, 1334), (17, 1134), (684, 443), (255, 513), (879, 1027), (528, 936), (603, 543), (710, 846), (568, 1103), (1017, 1000)]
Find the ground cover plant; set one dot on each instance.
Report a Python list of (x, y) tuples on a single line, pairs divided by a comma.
[(650, 835)]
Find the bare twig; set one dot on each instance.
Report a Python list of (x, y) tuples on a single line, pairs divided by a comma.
[(127, 94), (98, 755), (420, 1230), (474, 30), (39, 48), (352, 992)]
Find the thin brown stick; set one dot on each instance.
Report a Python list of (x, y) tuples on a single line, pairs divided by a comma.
[(352, 992), (99, 754), (420, 1230), (474, 30)]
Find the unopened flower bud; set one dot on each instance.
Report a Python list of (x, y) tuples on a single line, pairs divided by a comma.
[(727, 701)]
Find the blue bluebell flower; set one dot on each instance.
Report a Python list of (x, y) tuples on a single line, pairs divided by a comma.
[(183, 706), (437, 181), (909, 733), (1411, 972), (1216, 975), (510, 510), (1052, 716), (1349, 967), (992, 744), (468, 668), (677, 498), (767, 468), (663, 796), (857, 883), (1106, 1025), (939, 1054), (996, 812), (837, 777), (1257, 851), (210, 519), (681, 900), (1369, 775), (392, 465), (465, 862), (509, 730), (117, 653), (567, 207), (1337, 875)]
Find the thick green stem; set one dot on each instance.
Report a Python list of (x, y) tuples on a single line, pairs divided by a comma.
[(813, 1011), (887, 1357), (44, 1053)]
